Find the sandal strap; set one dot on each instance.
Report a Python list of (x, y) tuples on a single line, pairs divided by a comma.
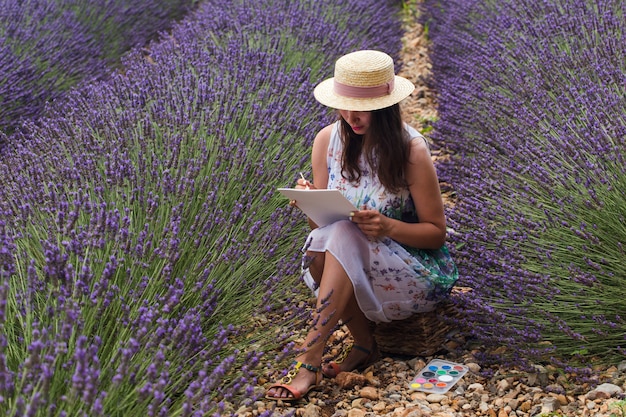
[(344, 354), (362, 349), (298, 364), (294, 371)]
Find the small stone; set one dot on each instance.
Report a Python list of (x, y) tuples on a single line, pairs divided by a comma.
[(549, 405), (514, 393), (503, 385), (394, 388), (379, 406), (342, 404), (412, 412), (562, 399), (348, 380), (243, 410), (357, 403), (476, 387), (525, 407), (312, 410), (436, 398), (370, 393), (473, 367), (604, 408), (457, 403), (418, 396), (513, 403), (503, 413), (356, 412), (604, 391), (371, 379), (459, 391)]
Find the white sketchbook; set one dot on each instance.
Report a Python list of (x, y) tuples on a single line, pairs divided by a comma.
[(322, 206)]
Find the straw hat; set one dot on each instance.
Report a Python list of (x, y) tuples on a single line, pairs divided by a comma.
[(364, 80)]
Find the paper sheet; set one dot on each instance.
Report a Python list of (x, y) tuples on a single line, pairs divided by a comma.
[(322, 206)]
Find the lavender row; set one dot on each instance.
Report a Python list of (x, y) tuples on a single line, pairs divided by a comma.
[(532, 111), (47, 46), (142, 244)]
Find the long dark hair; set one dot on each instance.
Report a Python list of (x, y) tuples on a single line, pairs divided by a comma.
[(385, 145)]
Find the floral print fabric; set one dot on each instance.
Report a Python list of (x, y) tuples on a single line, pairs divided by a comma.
[(391, 281)]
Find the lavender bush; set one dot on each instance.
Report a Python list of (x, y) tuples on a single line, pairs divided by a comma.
[(47, 46), (142, 242), (532, 111)]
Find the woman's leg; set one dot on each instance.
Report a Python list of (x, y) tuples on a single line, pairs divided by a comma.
[(353, 317), (335, 300), (358, 325)]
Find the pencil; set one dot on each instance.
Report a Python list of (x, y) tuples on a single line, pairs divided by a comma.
[(306, 183)]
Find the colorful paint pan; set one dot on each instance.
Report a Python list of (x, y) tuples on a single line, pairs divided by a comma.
[(438, 376)]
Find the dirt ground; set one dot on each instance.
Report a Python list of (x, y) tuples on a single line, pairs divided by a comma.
[(419, 109)]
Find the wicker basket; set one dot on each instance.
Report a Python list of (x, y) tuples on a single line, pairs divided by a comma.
[(422, 334)]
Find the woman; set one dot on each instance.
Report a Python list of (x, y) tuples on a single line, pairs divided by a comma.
[(389, 260)]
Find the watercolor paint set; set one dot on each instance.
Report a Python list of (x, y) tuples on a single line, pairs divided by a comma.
[(438, 376)]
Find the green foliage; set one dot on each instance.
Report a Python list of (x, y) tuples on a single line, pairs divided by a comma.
[(410, 9), (142, 235), (536, 133), (619, 408)]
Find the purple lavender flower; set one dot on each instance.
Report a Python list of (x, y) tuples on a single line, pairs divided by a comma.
[(531, 109), (140, 221), (48, 46)]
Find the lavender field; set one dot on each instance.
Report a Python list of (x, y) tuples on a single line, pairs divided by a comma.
[(48, 46), (142, 241), (533, 114)]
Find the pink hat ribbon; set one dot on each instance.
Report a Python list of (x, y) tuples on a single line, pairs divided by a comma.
[(363, 92)]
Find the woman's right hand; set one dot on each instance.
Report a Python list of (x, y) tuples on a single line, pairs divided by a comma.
[(303, 184)]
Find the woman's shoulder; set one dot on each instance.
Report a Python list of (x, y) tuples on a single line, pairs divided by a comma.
[(328, 129), (418, 142), (413, 133), (325, 133), (322, 140)]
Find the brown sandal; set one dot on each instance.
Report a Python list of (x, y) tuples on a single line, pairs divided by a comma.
[(286, 380), (373, 355)]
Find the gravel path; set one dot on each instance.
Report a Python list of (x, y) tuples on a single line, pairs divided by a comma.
[(384, 390)]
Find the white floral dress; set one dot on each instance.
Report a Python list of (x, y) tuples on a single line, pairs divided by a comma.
[(391, 281)]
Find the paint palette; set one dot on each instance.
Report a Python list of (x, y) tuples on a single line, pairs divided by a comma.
[(438, 376)]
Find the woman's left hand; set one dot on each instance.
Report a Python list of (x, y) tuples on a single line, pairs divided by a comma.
[(371, 222)]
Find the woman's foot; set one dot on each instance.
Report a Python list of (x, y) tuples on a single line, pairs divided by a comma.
[(298, 382), (354, 357)]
